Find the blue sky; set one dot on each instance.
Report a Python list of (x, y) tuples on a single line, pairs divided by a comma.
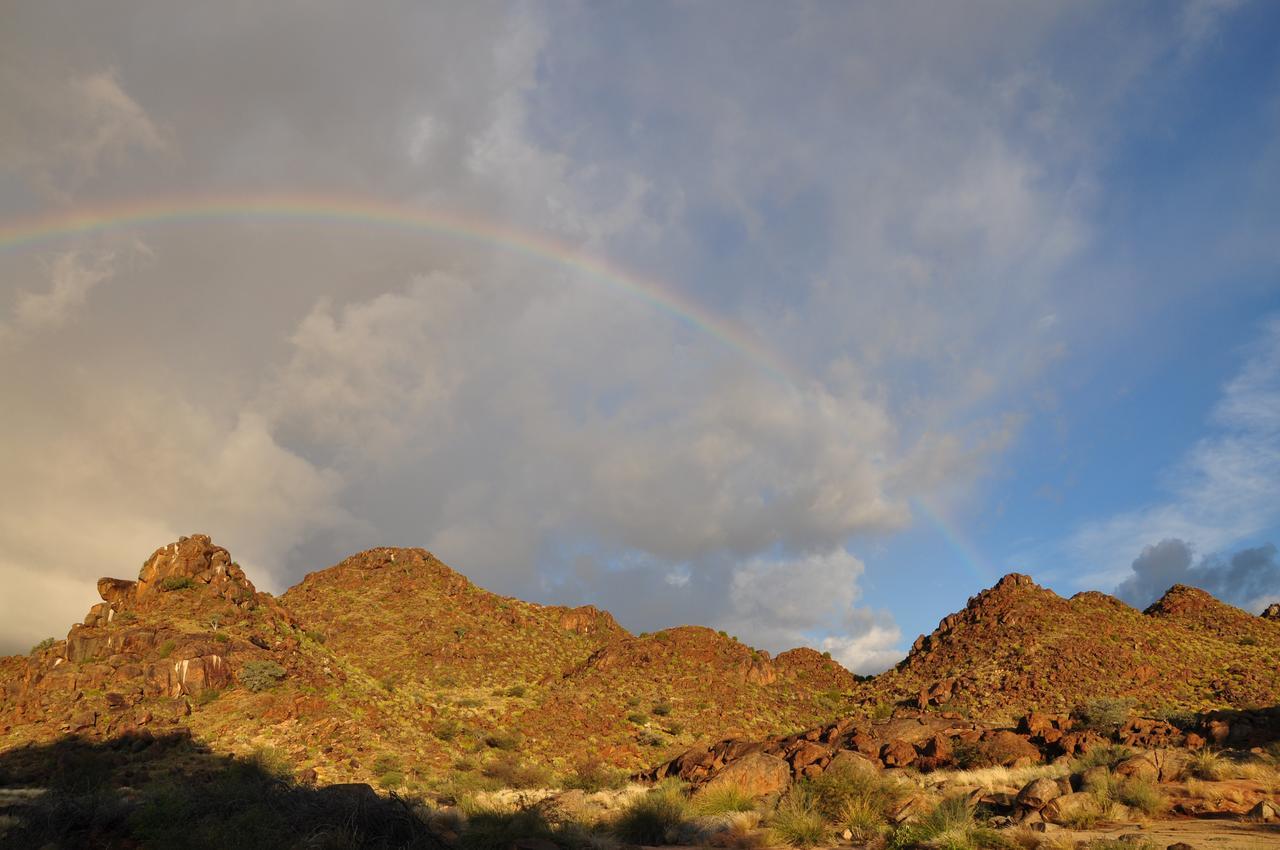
[(1019, 264)]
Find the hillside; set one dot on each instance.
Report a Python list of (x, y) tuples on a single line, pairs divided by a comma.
[(1017, 647), (392, 663)]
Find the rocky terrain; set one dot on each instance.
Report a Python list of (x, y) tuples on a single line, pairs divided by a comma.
[(1036, 713)]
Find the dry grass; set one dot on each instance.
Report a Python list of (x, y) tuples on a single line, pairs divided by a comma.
[(995, 778)]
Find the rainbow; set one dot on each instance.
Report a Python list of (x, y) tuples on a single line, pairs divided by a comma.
[(372, 212), (958, 541)]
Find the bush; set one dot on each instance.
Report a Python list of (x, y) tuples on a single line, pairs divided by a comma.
[(169, 583), (207, 696), (510, 772), (721, 800), (166, 649), (446, 730), (391, 779), (950, 825), (648, 819), (797, 822), (502, 740), (1207, 764), (42, 645), (1108, 756), (515, 691), (386, 763), (860, 799), (592, 776), (261, 675), (1104, 715), (314, 635), (638, 719), (1141, 794), (662, 709), (492, 829), (222, 637)]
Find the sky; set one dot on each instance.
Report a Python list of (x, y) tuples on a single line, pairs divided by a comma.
[(804, 321)]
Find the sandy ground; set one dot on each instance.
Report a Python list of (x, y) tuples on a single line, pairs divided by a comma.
[(1201, 833)]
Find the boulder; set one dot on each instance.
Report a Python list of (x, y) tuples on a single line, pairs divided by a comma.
[(897, 754), (757, 774), (1264, 812), (1060, 808), (1009, 748), (1272, 612), (807, 754), (116, 591), (1038, 792), (1142, 766)]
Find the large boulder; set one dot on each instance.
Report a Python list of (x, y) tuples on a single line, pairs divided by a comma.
[(757, 774), (1063, 807), (1038, 792)]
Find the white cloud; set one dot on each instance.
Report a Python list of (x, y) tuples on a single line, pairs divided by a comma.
[(1221, 492), (812, 601)]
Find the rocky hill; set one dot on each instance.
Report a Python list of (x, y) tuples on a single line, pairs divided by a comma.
[(1018, 647), (391, 663)]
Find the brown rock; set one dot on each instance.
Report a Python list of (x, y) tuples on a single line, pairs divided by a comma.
[(1141, 766), (1038, 792), (806, 754), (757, 774), (116, 591), (897, 754), (1264, 812), (1060, 808)]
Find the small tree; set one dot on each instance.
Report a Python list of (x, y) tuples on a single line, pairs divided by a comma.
[(43, 645), (261, 675)]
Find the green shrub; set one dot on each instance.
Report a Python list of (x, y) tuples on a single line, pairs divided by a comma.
[(1248, 640), (797, 822), (649, 739), (721, 800), (42, 645), (222, 637), (391, 779), (592, 776), (170, 583), (510, 772), (261, 675), (950, 826), (638, 718), (1104, 715), (386, 763), (859, 799), (662, 709), (1207, 764), (314, 635), (1141, 794), (1106, 756), (515, 691), (494, 829), (446, 730), (166, 649), (649, 818), (502, 740), (207, 696)]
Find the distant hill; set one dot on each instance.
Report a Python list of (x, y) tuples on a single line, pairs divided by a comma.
[(391, 656)]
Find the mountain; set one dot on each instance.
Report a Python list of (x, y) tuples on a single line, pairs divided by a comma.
[(1017, 647), (391, 657)]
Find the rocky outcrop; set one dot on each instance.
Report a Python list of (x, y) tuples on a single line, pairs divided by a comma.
[(1272, 612)]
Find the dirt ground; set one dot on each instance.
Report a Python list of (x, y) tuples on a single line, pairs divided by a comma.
[(1200, 833)]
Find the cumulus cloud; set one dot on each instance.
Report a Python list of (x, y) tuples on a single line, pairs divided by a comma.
[(812, 601), (70, 279), (1249, 578)]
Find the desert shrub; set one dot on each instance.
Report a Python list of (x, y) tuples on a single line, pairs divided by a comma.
[(1106, 756), (662, 637), (207, 696), (127, 617), (176, 583), (515, 691), (882, 711), (1104, 715), (649, 739), (859, 799), (968, 755), (1207, 764), (271, 762), (950, 826), (591, 775), (314, 635), (797, 821), (1248, 640), (502, 740), (510, 772), (446, 730), (386, 763), (1141, 794), (222, 637), (493, 829), (675, 728), (648, 818), (1087, 816), (469, 702), (722, 799), (166, 649), (391, 779), (662, 709), (42, 645), (1119, 844), (261, 675), (638, 718)]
